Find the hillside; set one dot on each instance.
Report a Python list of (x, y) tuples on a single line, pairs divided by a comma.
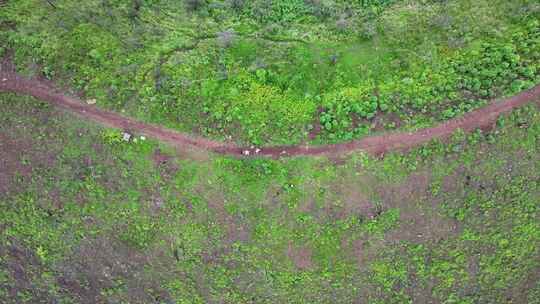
[(280, 72), (269, 151)]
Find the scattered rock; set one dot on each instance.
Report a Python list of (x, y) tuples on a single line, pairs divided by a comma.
[(126, 136), (257, 150), (4, 79), (246, 152), (158, 202), (91, 101)]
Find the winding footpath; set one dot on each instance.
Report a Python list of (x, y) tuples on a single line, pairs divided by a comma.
[(482, 118)]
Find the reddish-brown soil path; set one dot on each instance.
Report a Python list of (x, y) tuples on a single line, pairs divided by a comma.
[(481, 118)]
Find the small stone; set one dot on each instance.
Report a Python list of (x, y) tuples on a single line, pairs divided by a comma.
[(91, 101), (142, 137), (4, 79), (158, 203), (126, 136), (257, 150), (246, 152)]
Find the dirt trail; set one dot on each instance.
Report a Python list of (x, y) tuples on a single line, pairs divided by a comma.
[(481, 118)]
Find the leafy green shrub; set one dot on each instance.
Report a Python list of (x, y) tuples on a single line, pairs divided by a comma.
[(194, 5), (340, 106), (111, 136), (140, 231), (256, 108), (279, 10), (376, 3), (237, 5)]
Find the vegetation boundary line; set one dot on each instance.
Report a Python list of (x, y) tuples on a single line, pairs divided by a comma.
[(484, 117)]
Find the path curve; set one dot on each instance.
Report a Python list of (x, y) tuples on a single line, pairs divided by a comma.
[(392, 141)]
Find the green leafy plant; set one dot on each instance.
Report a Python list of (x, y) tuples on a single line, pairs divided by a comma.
[(112, 136)]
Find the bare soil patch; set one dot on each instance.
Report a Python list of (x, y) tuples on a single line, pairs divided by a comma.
[(12, 167), (418, 222), (24, 269), (301, 256), (100, 264)]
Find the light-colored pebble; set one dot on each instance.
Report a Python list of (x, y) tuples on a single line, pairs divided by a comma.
[(126, 136)]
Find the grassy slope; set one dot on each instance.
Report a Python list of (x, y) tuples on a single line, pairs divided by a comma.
[(88, 219), (271, 72)]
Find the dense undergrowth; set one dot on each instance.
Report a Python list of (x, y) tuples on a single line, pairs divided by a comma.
[(89, 218), (275, 72)]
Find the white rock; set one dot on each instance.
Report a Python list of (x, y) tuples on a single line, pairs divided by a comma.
[(257, 150), (142, 137), (4, 79), (126, 136), (158, 202), (91, 101), (246, 152)]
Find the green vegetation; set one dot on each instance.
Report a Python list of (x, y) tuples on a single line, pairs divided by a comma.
[(283, 71), (87, 217)]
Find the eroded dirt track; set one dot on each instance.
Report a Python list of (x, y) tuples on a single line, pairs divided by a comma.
[(481, 118)]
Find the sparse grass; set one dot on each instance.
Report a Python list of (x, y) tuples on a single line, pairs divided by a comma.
[(99, 220)]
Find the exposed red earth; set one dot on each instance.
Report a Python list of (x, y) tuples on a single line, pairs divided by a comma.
[(392, 141)]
